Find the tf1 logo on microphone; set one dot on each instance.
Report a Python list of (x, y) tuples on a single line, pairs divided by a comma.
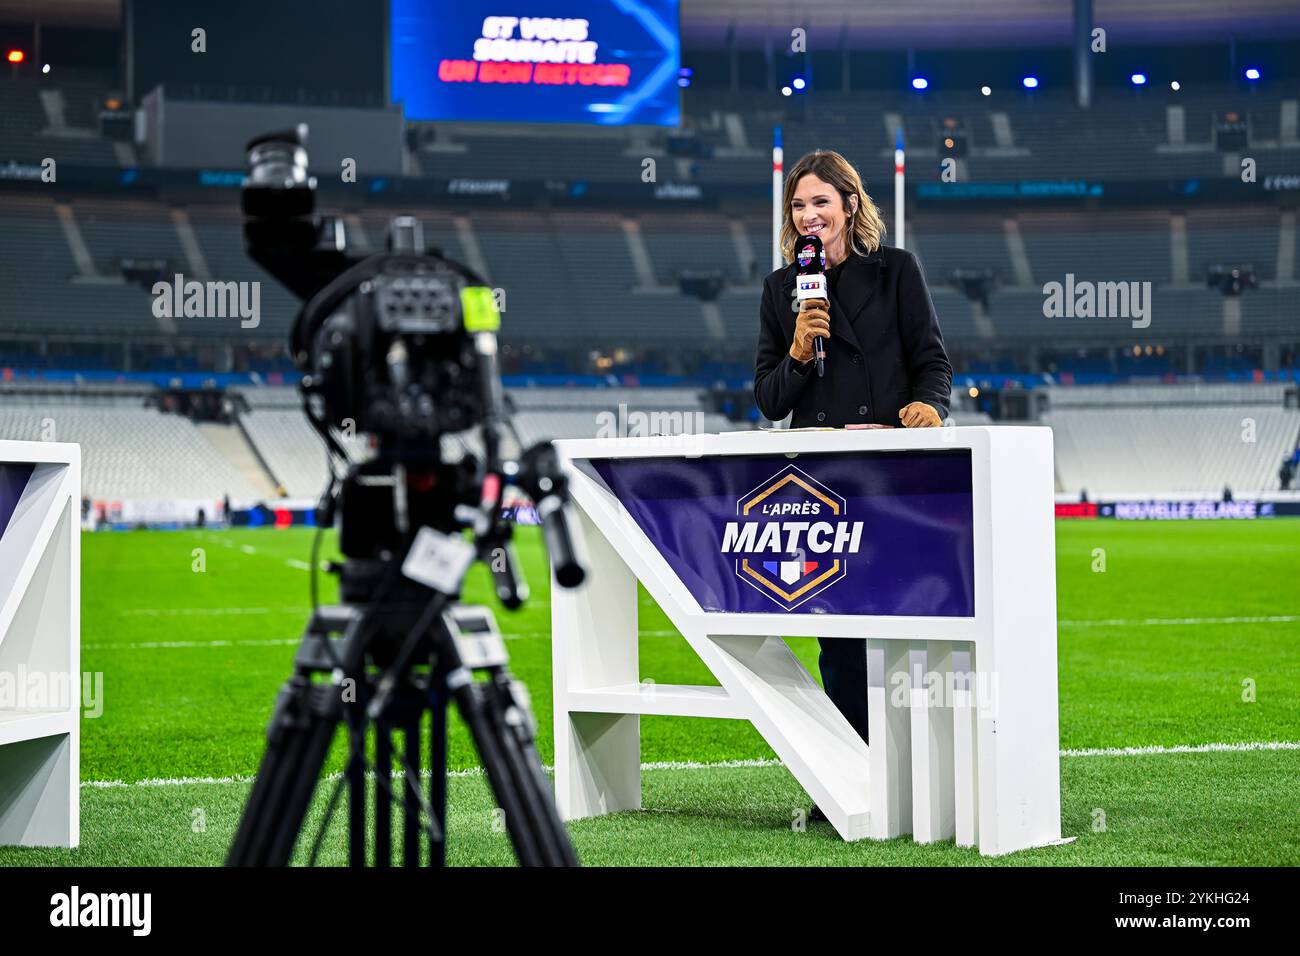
[(811, 256), (811, 287)]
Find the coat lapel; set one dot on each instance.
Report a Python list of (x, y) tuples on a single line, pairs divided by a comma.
[(857, 285)]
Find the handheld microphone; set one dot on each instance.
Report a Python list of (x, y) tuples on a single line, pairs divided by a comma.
[(810, 284)]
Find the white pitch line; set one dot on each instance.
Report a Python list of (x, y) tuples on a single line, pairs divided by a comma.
[(533, 635), (166, 645), (1183, 621), (1183, 749), (300, 565), (202, 611), (735, 764)]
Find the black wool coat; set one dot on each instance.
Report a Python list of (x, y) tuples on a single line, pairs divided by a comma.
[(885, 349)]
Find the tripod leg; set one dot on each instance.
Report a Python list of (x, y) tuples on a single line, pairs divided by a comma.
[(523, 765), (263, 813), (316, 745), (267, 817), (470, 701), (383, 793), (249, 842), (438, 775), (411, 792), (356, 774)]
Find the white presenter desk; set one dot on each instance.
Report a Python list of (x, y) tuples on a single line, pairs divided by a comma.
[(936, 545), (40, 643)]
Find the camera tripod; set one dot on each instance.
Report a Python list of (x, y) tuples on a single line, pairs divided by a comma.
[(401, 347), (408, 652)]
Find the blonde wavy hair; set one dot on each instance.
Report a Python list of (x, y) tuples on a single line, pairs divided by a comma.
[(866, 228)]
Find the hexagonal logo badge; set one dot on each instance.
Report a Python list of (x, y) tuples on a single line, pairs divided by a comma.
[(792, 537)]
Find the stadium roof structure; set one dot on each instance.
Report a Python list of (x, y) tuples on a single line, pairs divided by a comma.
[(873, 24), (886, 24)]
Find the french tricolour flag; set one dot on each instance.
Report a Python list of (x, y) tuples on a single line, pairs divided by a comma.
[(790, 571)]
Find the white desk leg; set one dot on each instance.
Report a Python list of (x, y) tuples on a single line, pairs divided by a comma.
[(38, 792), (794, 715), (965, 759), (40, 635), (918, 712), (888, 694), (594, 644), (602, 761), (930, 666), (1015, 660)]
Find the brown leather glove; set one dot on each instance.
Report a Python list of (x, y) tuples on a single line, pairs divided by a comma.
[(919, 415), (813, 320)]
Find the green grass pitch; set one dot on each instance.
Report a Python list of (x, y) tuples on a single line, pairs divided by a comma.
[(1157, 650)]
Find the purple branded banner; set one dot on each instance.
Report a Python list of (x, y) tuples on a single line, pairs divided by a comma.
[(857, 533)]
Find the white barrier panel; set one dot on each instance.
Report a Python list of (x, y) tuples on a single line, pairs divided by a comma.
[(40, 643), (936, 546)]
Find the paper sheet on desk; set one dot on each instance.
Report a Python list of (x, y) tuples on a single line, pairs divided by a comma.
[(817, 428)]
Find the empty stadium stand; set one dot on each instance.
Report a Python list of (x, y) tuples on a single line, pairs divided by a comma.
[(61, 273), (1110, 440), (129, 451), (1136, 440)]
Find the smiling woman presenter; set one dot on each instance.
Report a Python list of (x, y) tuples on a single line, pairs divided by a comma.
[(885, 361)]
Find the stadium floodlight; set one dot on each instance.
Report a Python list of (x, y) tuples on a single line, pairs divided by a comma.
[(1138, 79), (786, 91), (1030, 82), (987, 91), (920, 83), (1252, 73), (1175, 86), (684, 76), (16, 56), (799, 83)]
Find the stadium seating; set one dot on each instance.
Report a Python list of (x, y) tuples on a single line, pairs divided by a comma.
[(1012, 135), (540, 258), (1118, 440), (295, 455), (129, 451)]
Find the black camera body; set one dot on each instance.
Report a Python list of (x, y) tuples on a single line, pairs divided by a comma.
[(396, 361), (380, 339), (399, 346)]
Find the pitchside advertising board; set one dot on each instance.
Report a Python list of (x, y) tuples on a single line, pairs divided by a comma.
[(608, 62), (860, 533)]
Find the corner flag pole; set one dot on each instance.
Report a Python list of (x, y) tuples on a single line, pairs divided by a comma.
[(899, 191), (778, 171)]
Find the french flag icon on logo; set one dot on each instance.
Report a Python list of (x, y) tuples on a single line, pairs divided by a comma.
[(790, 571)]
